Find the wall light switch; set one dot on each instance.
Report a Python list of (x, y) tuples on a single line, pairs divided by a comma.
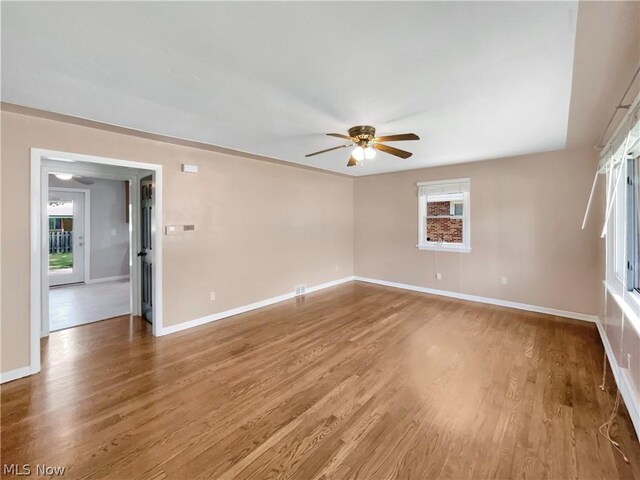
[(113, 232), (439, 276), (503, 280), (186, 168), (170, 230), (212, 296)]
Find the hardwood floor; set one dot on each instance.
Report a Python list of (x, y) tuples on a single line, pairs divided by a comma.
[(358, 381)]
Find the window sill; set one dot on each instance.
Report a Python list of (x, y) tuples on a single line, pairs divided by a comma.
[(629, 303), (444, 248)]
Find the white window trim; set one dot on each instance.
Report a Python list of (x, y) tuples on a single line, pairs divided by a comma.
[(465, 247), (615, 231)]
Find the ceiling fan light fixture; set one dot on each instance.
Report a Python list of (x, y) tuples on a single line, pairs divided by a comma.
[(358, 153), (63, 176), (365, 143), (369, 153)]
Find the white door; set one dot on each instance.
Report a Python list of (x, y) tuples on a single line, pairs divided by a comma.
[(66, 214)]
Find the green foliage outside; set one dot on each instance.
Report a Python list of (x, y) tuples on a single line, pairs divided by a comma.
[(60, 260)]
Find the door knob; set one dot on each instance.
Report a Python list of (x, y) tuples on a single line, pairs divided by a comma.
[(142, 254)]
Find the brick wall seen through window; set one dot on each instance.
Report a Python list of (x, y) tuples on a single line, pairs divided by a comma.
[(440, 226)]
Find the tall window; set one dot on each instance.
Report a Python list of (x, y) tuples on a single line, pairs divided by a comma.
[(443, 220), (619, 217), (633, 224), (623, 222)]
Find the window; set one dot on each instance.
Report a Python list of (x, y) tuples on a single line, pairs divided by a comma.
[(443, 220), (633, 224), (620, 160), (456, 208), (618, 215), (623, 217)]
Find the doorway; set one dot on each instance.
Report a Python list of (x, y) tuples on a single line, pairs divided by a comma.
[(89, 249), (63, 251)]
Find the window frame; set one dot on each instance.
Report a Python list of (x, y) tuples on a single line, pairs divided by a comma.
[(619, 220), (445, 187), (618, 236), (632, 205)]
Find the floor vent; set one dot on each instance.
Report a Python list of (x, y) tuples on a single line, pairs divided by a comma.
[(301, 289)]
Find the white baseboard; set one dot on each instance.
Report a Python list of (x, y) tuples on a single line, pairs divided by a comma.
[(474, 298), (15, 374), (622, 380), (246, 308), (106, 279)]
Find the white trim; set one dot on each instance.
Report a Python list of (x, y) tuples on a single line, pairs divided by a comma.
[(622, 380), (464, 185), (108, 279), (15, 374), (623, 299), (36, 286), (39, 157), (246, 308), (474, 298), (444, 247), (443, 182)]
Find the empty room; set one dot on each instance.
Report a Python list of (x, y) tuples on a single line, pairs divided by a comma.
[(320, 240)]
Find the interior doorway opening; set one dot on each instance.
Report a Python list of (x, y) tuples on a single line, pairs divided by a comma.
[(89, 242), (88, 223)]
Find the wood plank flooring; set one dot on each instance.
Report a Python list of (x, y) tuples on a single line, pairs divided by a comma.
[(357, 381)]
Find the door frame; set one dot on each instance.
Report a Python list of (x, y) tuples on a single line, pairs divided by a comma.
[(87, 231), (39, 192)]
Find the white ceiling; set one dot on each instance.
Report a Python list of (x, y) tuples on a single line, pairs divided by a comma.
[(476, 80)]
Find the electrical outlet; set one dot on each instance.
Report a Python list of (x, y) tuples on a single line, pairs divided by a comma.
[(503, 280), (212, 296), (439, 276), (113, 232)]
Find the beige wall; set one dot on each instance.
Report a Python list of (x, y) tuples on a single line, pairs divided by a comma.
[(261, 228), (526, 214)]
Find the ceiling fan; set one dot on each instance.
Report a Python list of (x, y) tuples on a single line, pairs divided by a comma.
[(75, 178), (363, 137)]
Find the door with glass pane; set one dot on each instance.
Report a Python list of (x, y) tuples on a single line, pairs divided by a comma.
[(66, 221)]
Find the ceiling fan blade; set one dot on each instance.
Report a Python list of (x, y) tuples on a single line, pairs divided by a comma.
[(327, 150), (340, 135), (84, 181), (352, 162), (391, 150), (397, 138)]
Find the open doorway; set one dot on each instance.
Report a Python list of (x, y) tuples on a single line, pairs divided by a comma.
[(89, 249), (95, 248)]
